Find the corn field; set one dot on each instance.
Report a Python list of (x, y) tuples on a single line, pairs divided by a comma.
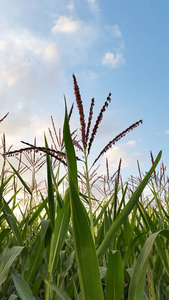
[(71, 245)]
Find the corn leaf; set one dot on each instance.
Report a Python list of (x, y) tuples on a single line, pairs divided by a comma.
[(6, 260), (13, 297), (114, 276), (89, 276), (37, 252), (21, 179), (13, 224), (160, 248), (125, 212), (59, 234), (1, 187), (4, 233), (50, 189), (37, 211), (68, 264), (137, 284), (22, 287), (61, 293)]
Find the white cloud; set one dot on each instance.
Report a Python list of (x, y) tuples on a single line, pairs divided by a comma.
[(75, 41), (22, 58), (30, 75), (89, 76), (130, 143), (70, 6), (166, 132), (2, 45), (113, 60), (122, 151), (115, 154), (116, 31), (66, 25), (13, 65), (49, 53), (91, 1), (93, 5)]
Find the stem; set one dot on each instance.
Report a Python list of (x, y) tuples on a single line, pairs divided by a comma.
[(89, 196)]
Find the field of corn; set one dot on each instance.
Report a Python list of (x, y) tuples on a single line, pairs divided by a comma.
[(65, 243)]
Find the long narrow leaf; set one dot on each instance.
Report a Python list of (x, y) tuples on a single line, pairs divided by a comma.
[(61, 293), (6, 260), (59, 234), (37, 252), (89, 276), (50, 189), (37, 211), (114, 276), (15, 229), (13, 297), (125, 212), (136, 288), (21, 179), (1, 187), (160, 248), (22, 287)]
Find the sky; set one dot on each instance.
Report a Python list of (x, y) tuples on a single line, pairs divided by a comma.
[(119, 46)]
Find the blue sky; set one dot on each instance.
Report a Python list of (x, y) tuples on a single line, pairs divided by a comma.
[(120, 47)]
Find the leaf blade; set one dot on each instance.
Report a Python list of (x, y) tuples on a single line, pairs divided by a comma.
[(85, 252), (125, 212)]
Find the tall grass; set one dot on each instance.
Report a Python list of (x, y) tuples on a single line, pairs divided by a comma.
[(64, 247)]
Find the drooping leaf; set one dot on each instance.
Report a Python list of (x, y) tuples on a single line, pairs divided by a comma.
[(6, 260), (137, 284), (161, 250), (61, 293), (21, 285)]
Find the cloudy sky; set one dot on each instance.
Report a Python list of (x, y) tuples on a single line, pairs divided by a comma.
[(116, 46)]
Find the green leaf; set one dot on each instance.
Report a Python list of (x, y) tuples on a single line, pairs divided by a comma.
[(137, 284), (38, 211), (76, 296), (70, 152), (66, 267), (7, 259), (22, 287), (4, 233), (13, 297), (161, 250), (167, 292), (50, 189), (1, 187), (61, 293), (114, 276), (85, 252), (15, 229), (102, 271), (59, 234), (58, 239), (37, 252), (125, 212), (130, 248), (21, 179)]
